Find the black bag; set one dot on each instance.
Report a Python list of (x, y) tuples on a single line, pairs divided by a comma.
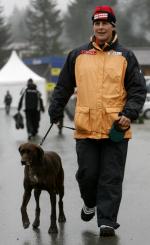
[(18, 120)]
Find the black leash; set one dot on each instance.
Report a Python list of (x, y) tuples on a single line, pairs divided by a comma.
[(69, 127), (41, 143), (64, 127)]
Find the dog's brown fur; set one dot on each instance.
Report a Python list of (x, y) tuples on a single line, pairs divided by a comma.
[(43, 171)]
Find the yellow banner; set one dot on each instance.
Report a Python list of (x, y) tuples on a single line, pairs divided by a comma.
[(50, 86), (55, 71)]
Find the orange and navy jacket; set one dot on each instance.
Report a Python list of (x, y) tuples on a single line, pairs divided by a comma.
[(109, 84)]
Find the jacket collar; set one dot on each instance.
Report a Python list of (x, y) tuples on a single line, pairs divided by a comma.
[(105, 46)]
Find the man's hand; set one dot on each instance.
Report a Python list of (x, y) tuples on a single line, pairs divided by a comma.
[(124, 122)]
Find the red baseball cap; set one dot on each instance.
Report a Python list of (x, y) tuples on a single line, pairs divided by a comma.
[(104, 12)]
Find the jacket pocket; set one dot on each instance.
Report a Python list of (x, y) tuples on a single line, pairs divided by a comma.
[(110, 115), (82, 118)]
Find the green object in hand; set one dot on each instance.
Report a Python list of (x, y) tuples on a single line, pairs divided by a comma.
[(116, 133)]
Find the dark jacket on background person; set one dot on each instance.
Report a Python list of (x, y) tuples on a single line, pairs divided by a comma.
[(31, 99), (32, 103)]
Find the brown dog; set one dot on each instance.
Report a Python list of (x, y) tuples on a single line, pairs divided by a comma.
[(43, 171)]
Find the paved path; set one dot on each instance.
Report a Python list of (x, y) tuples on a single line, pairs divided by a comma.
[(134, 212)]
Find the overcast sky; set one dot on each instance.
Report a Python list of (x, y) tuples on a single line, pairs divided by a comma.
[(8, 5)]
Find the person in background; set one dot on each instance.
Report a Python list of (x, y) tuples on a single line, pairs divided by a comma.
[(7, 102), (111, 92), (33, 105)]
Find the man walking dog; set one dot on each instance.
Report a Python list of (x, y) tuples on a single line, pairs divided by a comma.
[(110, 94)]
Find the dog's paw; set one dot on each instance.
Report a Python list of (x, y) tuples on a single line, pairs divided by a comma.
[(62, 219), (26, 224), (53, 230)]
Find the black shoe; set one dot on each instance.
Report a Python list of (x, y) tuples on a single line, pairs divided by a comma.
[(87, 213), (106, 231)]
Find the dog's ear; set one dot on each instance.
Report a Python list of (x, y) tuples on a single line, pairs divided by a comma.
[(40, 152)]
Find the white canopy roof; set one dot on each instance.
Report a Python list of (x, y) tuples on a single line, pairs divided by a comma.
[(15, 71), (14, 76)]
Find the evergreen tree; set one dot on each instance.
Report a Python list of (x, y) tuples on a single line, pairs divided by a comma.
[(4, 38), (44, 27), (133, 24), (19, 28), (141, 20)]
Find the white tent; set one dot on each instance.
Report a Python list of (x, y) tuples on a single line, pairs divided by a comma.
[(14, 76)]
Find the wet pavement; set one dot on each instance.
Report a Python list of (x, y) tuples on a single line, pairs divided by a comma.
[(134, 212)]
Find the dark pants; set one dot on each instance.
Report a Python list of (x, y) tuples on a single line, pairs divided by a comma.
[(32, 121), (100, 174), (7, 108)]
